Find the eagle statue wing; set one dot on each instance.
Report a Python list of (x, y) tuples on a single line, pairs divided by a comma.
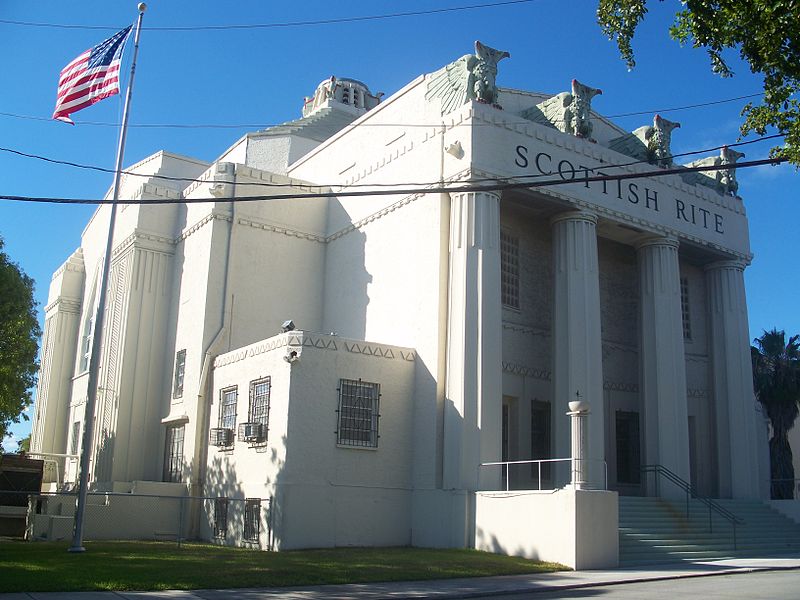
[(452, 84), (631, 145)]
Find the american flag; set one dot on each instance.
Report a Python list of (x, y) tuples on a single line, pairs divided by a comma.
[(92, 76)]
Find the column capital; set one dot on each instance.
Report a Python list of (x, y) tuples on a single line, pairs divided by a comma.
[(657, 240), (736, 265), (575, 215), (493, 194)]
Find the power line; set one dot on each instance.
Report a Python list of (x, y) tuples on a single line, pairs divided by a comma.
[(270, 125), (284, 24), (370, 185), (437, 189)]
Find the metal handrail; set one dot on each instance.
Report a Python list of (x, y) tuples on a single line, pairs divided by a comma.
[(539, 462), (691, 492)]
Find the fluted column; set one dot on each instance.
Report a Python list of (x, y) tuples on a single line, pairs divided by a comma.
[(474, 368), (663, 363), (741, 436), (577, 347)]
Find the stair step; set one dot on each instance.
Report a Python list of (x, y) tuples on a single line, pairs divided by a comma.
[(656, 531)]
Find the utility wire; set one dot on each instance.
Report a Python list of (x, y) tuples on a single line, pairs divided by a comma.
[(370, 185), (437, 189), (285, 24), (351, 125)]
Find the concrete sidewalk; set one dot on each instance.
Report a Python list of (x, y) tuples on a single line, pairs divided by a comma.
[(449, 588)]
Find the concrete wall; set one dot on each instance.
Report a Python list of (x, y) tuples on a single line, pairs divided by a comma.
[(326, 494), (578, 529)]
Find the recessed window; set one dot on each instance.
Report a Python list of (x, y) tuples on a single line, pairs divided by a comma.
[(254, 430), (180, 369), (227, 407), (76, 432), (509, 269), (628, 453), (220, 517), (541, 436), (358, 413), (173, 454), (685, 315), (252, 519)]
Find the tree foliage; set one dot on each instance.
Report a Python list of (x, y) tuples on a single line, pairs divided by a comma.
[(766, 34), (19, 335), (776, 381)]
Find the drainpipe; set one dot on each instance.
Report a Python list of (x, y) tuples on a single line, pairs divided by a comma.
[(225, 177), (444, 304)]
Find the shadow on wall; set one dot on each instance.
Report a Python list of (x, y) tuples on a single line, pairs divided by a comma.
[(489, 542), (346, 277)]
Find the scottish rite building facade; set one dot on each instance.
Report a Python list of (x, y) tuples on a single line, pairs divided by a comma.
[(459, 262)]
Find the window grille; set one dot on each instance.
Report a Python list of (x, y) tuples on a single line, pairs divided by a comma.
[(685, 315), (259, 402), (220, 517), (180, 369), (173, 454), (509, 269), (76, 432), (227, 407), (358, 413), (252, 519)]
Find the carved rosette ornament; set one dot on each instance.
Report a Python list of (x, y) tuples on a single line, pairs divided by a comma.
[(471, 77)]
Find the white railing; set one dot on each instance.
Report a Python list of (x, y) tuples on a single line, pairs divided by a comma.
[(575, 470)]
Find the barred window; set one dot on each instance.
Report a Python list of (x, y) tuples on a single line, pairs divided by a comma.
[(687, 323), (76, 432), (180, 369), (220, 517), (173, 454), (509, 269), (259, 401), (358, 413), (227, 407), (252, 519)]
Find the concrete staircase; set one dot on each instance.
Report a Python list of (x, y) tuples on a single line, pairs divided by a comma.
[(653, 531)]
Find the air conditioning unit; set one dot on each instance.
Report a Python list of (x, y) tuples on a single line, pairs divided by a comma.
[(221, 437), (252, 432)]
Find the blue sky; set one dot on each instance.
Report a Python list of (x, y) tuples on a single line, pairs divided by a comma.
[(258, 77)]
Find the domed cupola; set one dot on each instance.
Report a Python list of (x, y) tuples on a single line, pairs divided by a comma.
[(344, 94)]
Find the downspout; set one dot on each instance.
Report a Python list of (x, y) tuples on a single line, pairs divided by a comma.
[(225, 187)]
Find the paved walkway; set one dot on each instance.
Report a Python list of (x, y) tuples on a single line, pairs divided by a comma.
[(449, 588)]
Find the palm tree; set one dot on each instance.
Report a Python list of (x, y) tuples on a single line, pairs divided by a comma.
[(776, 382)]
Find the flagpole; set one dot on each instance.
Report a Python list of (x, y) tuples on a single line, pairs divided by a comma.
[(97, 337)]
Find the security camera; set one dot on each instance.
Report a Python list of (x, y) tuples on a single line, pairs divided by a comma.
[(288, 326)]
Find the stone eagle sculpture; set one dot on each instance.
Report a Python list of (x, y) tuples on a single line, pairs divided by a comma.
[(650, 143), (471, 77), (722, 180), (571, 112)]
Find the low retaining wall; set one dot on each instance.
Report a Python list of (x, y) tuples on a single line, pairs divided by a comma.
[(577, 528)]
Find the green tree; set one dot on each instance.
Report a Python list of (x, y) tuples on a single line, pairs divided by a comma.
[(776, 381), (766, 34), (19, 335), (24, 445)]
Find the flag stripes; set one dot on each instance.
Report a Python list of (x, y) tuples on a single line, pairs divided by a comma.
[(91, 77)]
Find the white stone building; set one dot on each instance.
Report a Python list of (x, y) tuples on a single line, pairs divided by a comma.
[(438, 327)]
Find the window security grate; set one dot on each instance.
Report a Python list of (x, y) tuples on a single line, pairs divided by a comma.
[(252, 519), (358, 413)]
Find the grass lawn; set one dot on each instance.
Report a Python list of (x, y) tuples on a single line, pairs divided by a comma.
[(45, 567)]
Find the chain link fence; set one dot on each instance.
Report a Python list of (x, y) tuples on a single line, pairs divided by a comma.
[(245, 522)]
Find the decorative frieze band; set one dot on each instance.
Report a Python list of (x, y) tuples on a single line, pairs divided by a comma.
[(516, 369), (617, 386), (301, 339), (64, 305)]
